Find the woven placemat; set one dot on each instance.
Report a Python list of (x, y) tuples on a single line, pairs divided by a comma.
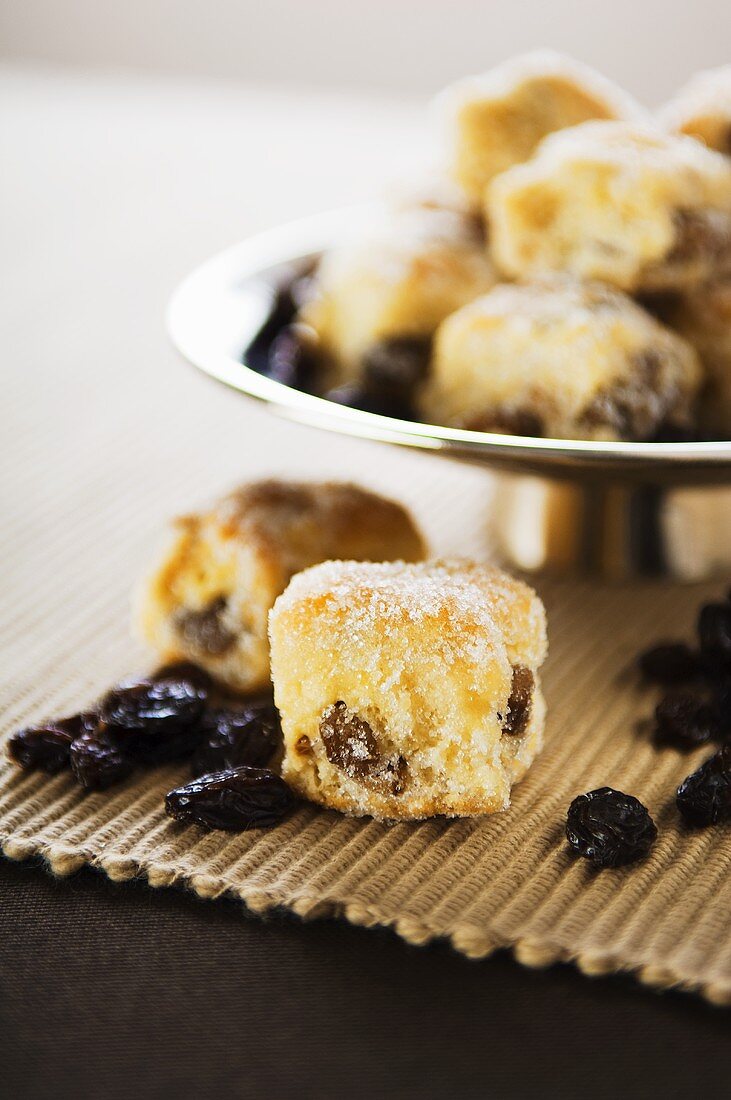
[(504, 881), (100, 452)]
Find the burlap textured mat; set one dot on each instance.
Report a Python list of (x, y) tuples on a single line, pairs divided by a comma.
[(508, 880), (98, 453)]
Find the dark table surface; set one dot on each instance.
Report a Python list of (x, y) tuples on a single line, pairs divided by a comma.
[(120, 990)]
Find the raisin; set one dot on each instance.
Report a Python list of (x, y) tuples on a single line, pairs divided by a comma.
[(609, 828), (97, 760), (46, 746), (234, 799), (185, 670), (714, 632), (204, 629), (249, 734), (161, 746), (723, 704), (669, 663), (150, 706), (356, 396), (519, 703), (507, 422), (704, 798), (685, 721), (699, 235), (395, 367), (281, 312), (351, 745), (292, 359)]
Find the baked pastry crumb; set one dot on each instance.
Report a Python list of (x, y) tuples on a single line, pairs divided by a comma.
[(209, 595), (563, 359), (495, 120), (702, 109), (407, 691), (631, 206), (405, 272)]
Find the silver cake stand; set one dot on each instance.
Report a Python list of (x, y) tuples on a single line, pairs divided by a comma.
[(569, 506)]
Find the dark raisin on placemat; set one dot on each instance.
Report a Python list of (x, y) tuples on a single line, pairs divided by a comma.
[(704, 798), (46, 745), (609, 828), (148, 721), (685, 721), (669, 663), (98, 761), (233, 736), (702, 710), (714, 635), (153, 705), (233, 800)]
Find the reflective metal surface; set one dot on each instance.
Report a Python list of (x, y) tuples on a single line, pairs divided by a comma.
[(610, 509)]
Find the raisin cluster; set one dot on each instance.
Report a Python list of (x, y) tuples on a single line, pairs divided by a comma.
[(176, 712), (696, 706), (697, 709), (611, 828)]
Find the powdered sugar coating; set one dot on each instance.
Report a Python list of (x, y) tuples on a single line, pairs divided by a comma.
[(625, 204), (503, 80), (400, 275), (239, 555), (702, 109), (424, 654), (495, 120), (454, 592), (635, 146), (572, 359)]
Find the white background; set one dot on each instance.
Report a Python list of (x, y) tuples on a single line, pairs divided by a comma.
[(392, 45)]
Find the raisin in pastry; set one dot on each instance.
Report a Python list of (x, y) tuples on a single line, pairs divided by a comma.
[(408, 690), (495, 120), (399, 278), (563, 359), (634, 207), (210, 594), (703, 318), (702, 109)]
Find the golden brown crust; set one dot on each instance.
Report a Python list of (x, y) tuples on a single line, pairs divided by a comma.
[(702, 109), (496, 120), (399, 278), (407, 672), (560, 358), (666, 226), (209, 597), (301, 523)]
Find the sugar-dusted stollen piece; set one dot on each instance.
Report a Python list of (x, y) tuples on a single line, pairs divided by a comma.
[(408, 690), (495, 120), (209, 596), (401, 275), (702, 109), (703, 318), (634, 207), (560, 358), (429, 190)]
